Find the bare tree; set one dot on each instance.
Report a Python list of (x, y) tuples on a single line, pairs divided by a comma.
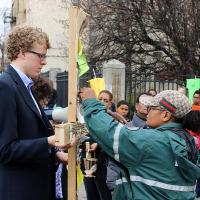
[(151, 35)]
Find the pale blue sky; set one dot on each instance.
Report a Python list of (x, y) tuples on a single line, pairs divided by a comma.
[(5, 5)]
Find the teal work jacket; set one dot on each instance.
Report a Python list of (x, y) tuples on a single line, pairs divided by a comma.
[(154, 160)]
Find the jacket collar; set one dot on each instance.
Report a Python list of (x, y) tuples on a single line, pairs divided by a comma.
[(171, 125), (25, 93)]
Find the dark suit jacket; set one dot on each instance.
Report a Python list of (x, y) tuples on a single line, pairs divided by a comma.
[(26, 166)]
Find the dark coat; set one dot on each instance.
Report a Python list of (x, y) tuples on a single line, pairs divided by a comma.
[(137, 121), (26, 166)]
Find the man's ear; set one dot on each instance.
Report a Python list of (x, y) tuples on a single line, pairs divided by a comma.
[(21, 54), (166, 116), (136, 106)]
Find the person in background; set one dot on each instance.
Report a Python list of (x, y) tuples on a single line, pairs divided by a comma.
[(160, 162), (106, 97), (196, 100), (139, 118), (183, 90), (152, 92), (123, 109), (43, 91), (196, 107), (197, 136), (96, 187)]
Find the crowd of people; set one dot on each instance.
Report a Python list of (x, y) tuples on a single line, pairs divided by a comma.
[(150, 155)]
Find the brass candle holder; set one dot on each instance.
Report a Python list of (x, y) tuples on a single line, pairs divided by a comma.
[(90, 163)]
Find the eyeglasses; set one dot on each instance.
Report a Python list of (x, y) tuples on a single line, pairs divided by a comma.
[(154, 108), (40, 55)]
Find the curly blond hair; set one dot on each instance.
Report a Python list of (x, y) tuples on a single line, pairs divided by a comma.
[(23, 38)]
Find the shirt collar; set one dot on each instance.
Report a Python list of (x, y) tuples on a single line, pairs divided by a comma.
[(26, 80)]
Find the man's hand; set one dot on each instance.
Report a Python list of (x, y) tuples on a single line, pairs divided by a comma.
[(117, 116), (86, 93), (51, 140), (67, 146)]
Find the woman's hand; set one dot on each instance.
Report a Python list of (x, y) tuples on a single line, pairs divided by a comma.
[(93, 147), (62, 156)]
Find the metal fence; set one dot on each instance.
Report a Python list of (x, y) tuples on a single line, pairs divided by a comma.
[(136, 82), (62, 88)]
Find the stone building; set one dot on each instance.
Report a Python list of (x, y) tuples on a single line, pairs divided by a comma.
[(52, 17)]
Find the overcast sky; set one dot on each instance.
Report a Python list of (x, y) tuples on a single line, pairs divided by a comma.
[(5, 5)]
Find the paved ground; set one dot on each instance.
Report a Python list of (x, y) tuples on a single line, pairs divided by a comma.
[(81, 193)]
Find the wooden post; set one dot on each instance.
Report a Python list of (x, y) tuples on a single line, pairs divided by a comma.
[(72, 97), (78, 20)]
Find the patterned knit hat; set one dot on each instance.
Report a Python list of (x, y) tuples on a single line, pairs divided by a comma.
[(145, 99), (173, 101)]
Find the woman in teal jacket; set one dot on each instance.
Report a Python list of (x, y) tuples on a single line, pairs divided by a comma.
[(158, 163)]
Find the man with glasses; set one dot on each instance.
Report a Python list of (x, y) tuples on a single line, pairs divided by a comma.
[(140, 116), (40, 55), (26, 144), (159, 162)]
